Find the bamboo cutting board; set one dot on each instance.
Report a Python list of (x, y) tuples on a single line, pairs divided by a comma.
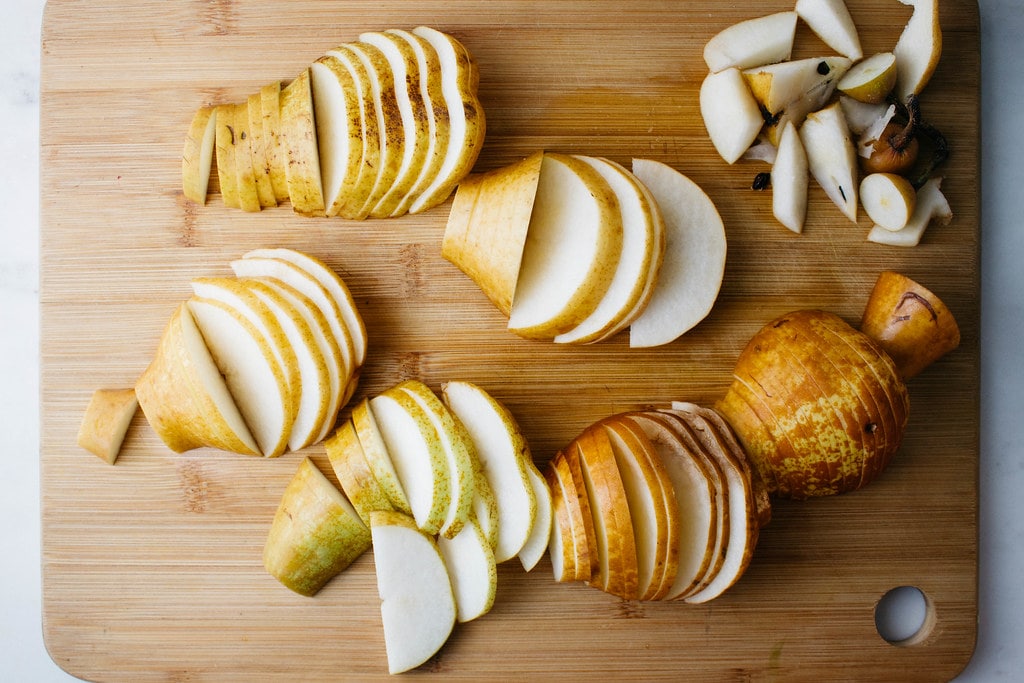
[(152, 568)]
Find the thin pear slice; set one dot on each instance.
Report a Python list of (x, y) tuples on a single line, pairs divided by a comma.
[(318, 396), (616, 545), (790, 178), (353, 471), (197, 157), (583, 563), (417, 602), (831, 157), (572, 249), (503, 454), (466, 120), (335, 286), (730, 113), (377, 456), (298, 138), (414, 118), (339, 130), (694, 498), (648, 507), (106, 421), (258, 147), (472, 569), (253, 374), (918, 48), (537, 543), (418, 457), (761, 40), (487, 226), (694, 262), (184, 396), (315, 534), (270, 108), (428, 64), (641, 219), (485, 505), (831, 21), (459, 450), (560, 547), (245, 175), (224, 147)]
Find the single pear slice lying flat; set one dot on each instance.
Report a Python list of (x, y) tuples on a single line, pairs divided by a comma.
[(417, 602), (537, 543)]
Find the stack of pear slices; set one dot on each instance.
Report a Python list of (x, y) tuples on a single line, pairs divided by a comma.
[(758, 103), (656, 505), (260, 363), (444, 488), (575, 249), (375, 128)]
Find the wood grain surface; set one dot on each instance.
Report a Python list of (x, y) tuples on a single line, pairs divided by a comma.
[(152, 568)]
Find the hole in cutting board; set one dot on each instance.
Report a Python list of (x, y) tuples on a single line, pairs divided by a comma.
[(904, 616)]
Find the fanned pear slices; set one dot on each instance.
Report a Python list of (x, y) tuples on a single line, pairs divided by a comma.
[(377, 127)]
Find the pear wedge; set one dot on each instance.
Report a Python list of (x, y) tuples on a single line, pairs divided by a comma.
[(197, 157), (789, 91), (832, 157), (789, 180), (831, 21), (751, 42), (106, 421), (918, 48), (298, 138), (730, 113), (315, 534)]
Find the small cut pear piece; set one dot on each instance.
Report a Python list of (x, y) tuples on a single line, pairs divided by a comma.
[(315, 534), (789, 91), (888, 199), (197, 157), (751, 42), (911, 323), (831, 21), (918, 48), (298, 137), (106, 422), (731, 115), (789, 180), (870, 80), (931, 206), (694, 261), (185, 397), (831, 157), (417, 606), (224, 149)]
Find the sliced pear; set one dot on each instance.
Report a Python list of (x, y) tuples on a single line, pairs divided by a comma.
[(377, 456), (731, 114), (339, 130), (258, 147), (918, 48), (789, 180), (354, 474), (642, 252), (298, 138), (106, 421), (472, 569), (418, 457), (831, 21), (572, 249), (485, 505), (487, 226), (537, 543), (245, 176), (459, 450), (315, 534), (870, 80), (694, 262), (560, 547), (414, 119), (930, 206), (197, 157), (270, 108), (253, 374), (224, 147), (586, 562), (503, 454), (888, 199), (466, 120), (761, 40), (184, 396), (417, 602), (435, 111), (831, 157)]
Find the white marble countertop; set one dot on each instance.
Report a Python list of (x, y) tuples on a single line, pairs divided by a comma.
[(998, 656)]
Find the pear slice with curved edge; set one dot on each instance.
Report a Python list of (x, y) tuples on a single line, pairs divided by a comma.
[(377, 456), (339, 130), (197, 157), (918, 48), (348, 460), (472, 570), (537, 543), (298, 140), (751, 42)]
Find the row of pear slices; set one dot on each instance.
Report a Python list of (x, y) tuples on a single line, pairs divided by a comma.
[(575, 249), (656, 505), (446, 489), (260, 363), (378, 127)]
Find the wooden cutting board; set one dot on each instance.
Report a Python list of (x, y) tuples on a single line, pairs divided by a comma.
[(152, 568)]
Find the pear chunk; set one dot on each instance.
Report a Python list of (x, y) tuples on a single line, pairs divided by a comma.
[(761, 40), (106, 421), (417, 606), (918, 48), (831, 21), (930, 205), (730, 112), (888, 199), (831, 157), (789, 180)]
